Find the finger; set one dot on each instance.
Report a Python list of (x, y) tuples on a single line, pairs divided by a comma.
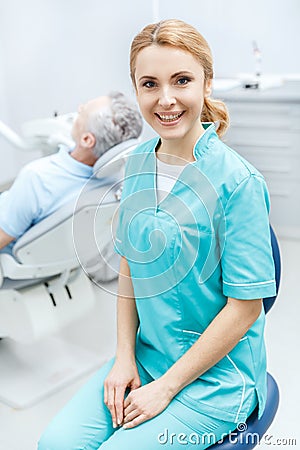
[(105, 394), (130, 416), (128, 400), (131, 407), (119, 403), (111, 404), (136, 383), (137, 421)]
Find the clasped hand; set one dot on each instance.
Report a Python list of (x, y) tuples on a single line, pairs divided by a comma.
[(141, 404)]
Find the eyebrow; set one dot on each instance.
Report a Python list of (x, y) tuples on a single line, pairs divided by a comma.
[(175, 75)]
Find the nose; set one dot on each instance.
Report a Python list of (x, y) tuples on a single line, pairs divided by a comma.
[(166, 97), (80, 108)]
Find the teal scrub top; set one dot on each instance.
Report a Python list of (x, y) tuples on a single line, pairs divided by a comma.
[(207, 240)]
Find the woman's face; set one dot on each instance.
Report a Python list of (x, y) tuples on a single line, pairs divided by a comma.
[(170, 91)]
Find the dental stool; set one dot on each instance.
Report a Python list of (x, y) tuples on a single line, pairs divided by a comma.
[(47, 283), (248, 435)]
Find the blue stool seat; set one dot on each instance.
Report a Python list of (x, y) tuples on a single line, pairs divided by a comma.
[(248, 437), (268, 302)]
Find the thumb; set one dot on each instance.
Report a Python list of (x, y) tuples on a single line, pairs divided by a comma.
[(136, 383)]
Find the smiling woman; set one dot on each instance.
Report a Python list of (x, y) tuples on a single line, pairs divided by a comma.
[(171, 100), (178, 37), (195, 265)]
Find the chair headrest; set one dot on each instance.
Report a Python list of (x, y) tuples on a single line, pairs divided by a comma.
[(113, 159)]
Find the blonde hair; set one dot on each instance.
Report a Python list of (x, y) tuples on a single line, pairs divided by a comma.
[(176, 33)]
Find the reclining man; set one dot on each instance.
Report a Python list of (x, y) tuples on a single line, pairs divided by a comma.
[(44, 185)]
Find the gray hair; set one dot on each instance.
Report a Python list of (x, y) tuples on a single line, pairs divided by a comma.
[(117, 123)]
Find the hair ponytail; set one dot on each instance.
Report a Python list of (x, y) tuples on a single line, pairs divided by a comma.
[(216, 111)]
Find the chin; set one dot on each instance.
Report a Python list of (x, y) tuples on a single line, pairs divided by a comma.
[(171, 135)]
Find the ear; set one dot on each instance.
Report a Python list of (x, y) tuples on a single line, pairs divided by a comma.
[(88, 140), (208, 88)]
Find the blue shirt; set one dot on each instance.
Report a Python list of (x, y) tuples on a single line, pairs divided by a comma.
[(41, 188), (207, 240)]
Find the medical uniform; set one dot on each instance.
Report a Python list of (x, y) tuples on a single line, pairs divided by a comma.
[(208, 239), (42, 187)]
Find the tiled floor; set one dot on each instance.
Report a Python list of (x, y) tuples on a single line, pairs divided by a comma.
[(20, 429)]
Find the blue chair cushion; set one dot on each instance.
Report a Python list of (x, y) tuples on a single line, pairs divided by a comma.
[(268, 302), (247, 436)]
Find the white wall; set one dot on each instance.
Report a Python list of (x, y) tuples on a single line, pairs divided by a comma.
[(230, 26), (7, 153), (55, 54), (58, 53)]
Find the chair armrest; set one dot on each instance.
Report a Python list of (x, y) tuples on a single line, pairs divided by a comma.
[(12, 269)]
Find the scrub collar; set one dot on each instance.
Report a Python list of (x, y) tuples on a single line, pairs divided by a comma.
[(203, 143)]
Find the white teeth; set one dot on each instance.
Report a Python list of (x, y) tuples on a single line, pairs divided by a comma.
[(169, 117)]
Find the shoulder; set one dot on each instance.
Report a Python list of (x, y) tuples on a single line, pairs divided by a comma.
[(228, 170), (232, 161), (36, 167), (239, 163), (219, 162), (138, 157), (140, 166), (145, 147)]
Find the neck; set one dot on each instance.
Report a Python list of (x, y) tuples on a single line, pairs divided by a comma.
[(179, 151), (84, 156)]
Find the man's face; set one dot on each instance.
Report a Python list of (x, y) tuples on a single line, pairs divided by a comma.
[(85, 111)]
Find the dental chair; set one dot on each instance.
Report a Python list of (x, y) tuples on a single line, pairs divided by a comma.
[(47, 282)]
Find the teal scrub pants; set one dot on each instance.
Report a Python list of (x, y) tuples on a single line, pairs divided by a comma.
[(85, 424)]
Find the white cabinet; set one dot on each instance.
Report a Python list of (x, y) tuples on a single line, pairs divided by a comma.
[(265, 129)]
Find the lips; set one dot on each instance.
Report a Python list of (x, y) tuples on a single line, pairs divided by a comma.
[(169, 117)]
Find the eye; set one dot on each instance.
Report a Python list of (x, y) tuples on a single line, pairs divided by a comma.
[(182, 81), (149, 84)]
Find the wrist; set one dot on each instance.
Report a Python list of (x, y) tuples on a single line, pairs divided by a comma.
[(169, 385), (125, 356)]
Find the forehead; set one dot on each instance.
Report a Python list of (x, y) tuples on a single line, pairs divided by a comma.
[(160, 60), (97, 103)]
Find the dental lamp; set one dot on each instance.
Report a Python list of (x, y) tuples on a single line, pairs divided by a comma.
[(44, 135)]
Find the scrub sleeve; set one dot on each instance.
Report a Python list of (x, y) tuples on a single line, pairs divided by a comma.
[(246, 249)]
